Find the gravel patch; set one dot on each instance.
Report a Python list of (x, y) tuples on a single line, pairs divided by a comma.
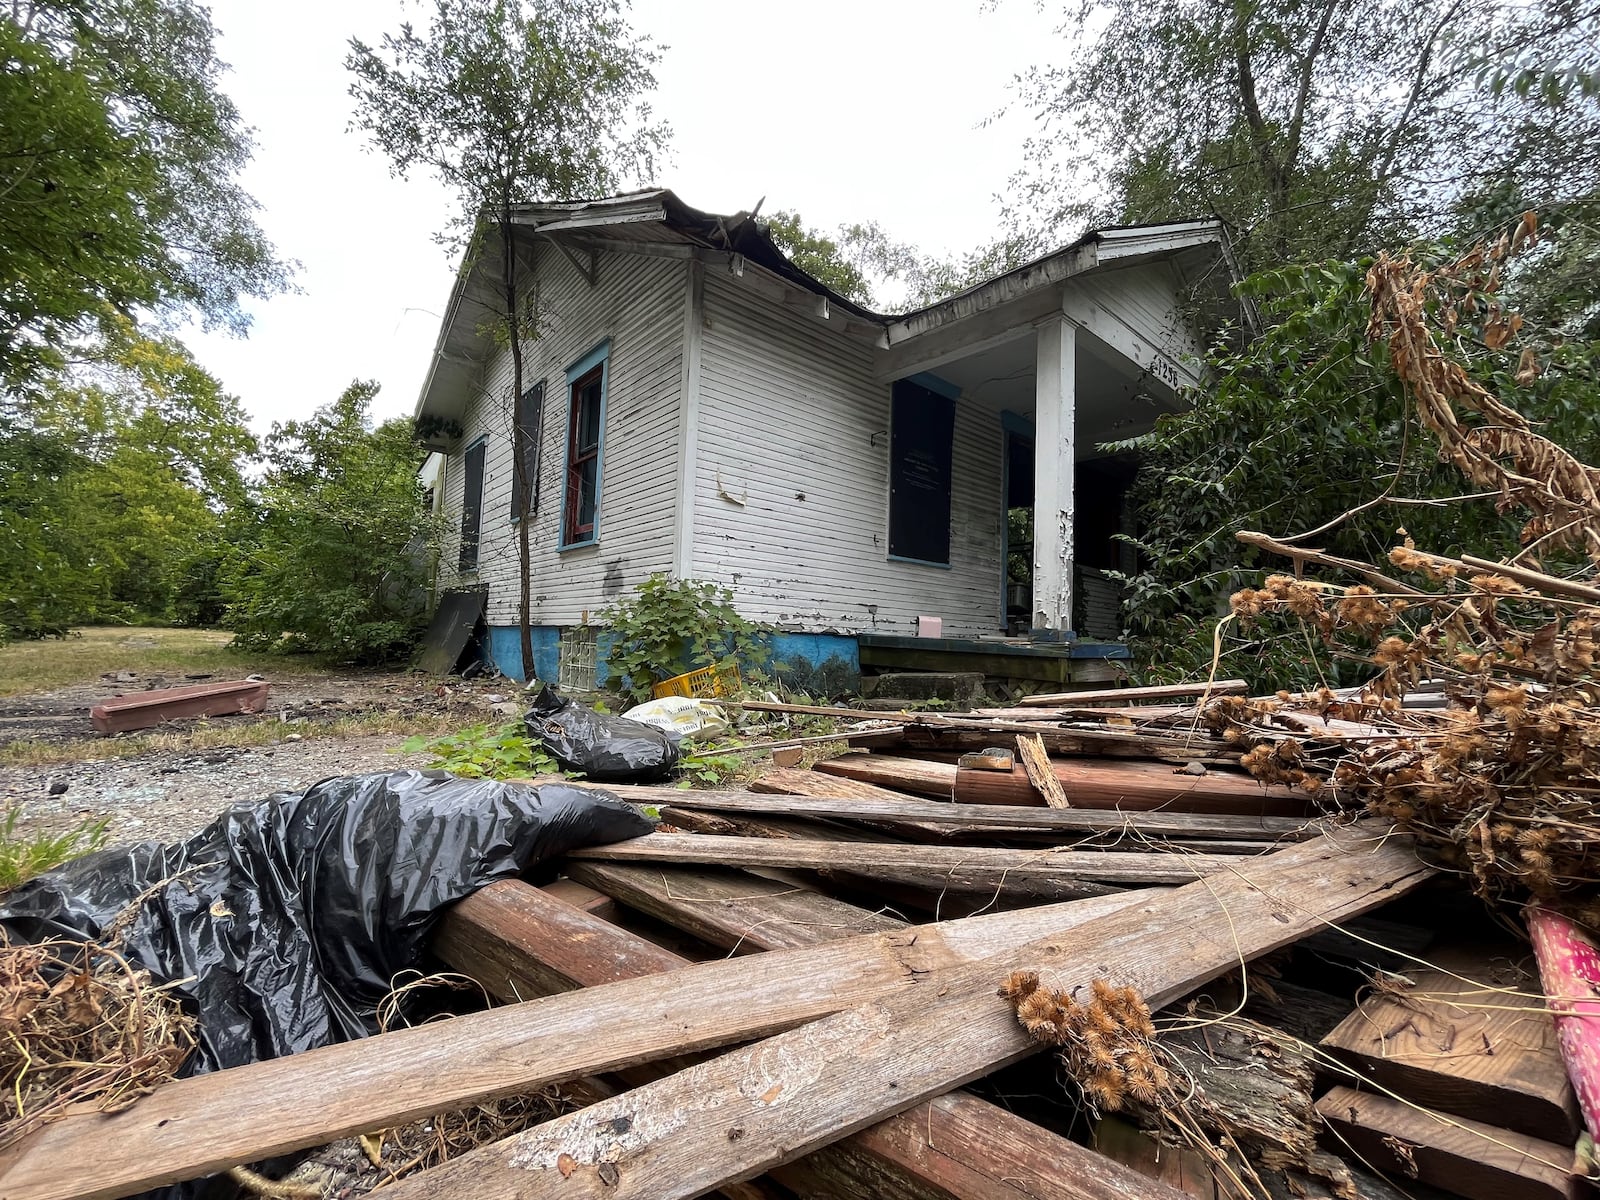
[(169, 795)]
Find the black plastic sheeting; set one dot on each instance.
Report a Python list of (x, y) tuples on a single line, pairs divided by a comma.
[(599, 745), (294, 914)]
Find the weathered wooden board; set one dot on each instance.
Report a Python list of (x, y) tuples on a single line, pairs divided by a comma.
[(1129, 786), (917, 775), (1462, 1043), (1132, 786), (1468, 1158), (1049, 872), (957, 1147), (1006, 818), (791, 781), (211, 1122), (1102, 744), (1133, 695), (507, 935), (760, 825), (755, 1108), (732, 909)]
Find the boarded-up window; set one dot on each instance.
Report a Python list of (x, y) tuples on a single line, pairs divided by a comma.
[(585, 428), (472, 504), (921, 433), (525, 467)]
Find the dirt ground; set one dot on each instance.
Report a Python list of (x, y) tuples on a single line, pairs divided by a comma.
[(181, 778)]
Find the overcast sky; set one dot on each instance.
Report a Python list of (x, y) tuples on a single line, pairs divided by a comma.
[(840, 109)]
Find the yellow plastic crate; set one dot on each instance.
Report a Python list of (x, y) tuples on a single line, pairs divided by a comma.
[(707, 683)]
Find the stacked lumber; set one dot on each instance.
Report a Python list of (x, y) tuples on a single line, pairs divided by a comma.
[(796, 991)]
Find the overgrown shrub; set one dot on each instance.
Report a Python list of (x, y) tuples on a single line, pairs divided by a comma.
[(340, 559), (670, 626)]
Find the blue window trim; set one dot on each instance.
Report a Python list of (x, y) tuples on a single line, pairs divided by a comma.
[(921, 562), (599, 356), (933, 383)]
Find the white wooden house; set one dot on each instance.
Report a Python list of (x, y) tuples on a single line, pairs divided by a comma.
[(704, 408)]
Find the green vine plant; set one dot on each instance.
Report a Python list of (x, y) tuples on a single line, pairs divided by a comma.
[(485, 752), (669, 626)]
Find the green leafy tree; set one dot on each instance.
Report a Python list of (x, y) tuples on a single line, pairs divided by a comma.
[(863, 253), (819, 256), (119, 156), (114, 475), (339, 562), (506, 102), (1318, 129), (1306, 433)]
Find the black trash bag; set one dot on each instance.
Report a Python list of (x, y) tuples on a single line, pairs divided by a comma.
[(295, 913), (599, 745)]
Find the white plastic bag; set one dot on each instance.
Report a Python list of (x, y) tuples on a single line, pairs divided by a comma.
[(682, 716)]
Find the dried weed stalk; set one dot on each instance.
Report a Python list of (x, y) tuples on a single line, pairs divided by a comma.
[(1502, 783), (1106, 1045), (1491, 443), (80, 1026)]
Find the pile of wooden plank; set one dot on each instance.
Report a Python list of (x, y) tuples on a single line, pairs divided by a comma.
[(791, 991)]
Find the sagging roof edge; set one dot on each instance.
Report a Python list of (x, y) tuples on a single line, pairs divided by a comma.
[(744, 234)]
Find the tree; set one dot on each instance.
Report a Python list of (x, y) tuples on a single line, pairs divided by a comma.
[(1306, 432), (1314, 129), (118, 163), (115, 478), (863, 255), (507, 102), (341, 555), (819, 256)]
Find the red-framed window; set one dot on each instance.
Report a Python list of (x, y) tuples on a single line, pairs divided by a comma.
[(584, 426)]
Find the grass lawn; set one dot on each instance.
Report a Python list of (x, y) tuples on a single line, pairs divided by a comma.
[(86, 654)]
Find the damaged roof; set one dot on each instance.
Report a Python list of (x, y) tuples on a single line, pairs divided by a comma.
[(657, 216)]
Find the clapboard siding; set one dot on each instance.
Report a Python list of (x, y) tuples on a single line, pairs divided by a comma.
[(789, 409), (639, 306), (1145, 298)]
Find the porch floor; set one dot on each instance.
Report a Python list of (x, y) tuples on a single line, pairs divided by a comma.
[(998, 657)]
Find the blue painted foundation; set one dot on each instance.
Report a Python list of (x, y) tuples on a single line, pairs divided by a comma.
[(818, 663), (505, 650)]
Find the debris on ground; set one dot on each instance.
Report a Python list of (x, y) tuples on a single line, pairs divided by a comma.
[(1140, 942)]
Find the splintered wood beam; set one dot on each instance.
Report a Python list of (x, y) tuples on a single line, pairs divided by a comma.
[(1048, 872), (747, 1111), (1036, 763), (1000, 817), (208, 1123)]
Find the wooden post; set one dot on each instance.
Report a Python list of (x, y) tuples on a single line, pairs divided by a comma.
[(1055, 380)]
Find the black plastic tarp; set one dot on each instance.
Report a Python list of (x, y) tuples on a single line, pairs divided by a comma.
[(598, 745), (291, 916)]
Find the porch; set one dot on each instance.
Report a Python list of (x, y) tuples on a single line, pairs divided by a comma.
[(1085, 348)]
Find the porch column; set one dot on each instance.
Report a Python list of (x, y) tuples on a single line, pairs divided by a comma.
[(1053, 419)]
